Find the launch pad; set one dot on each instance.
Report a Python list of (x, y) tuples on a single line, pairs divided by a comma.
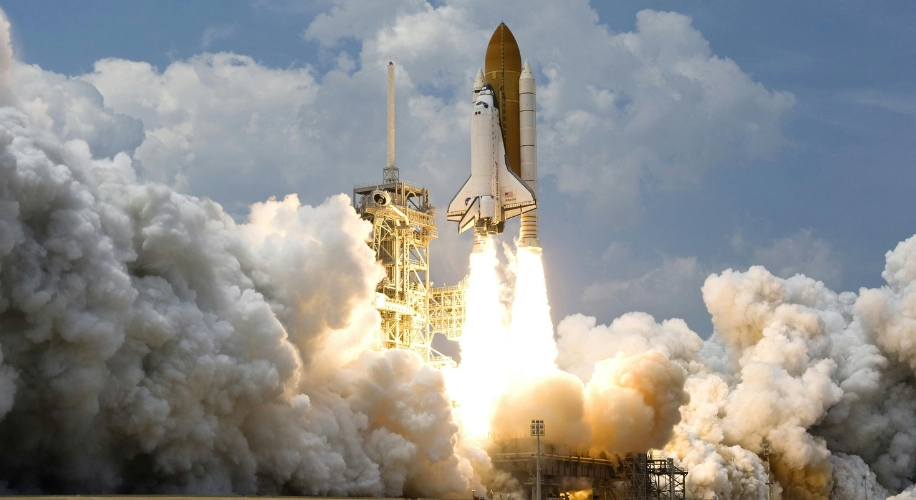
[(634, 476)]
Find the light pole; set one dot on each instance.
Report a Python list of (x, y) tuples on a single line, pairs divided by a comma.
[(537, 429), (766, 458)]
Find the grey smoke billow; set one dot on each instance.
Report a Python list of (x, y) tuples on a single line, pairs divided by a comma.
[(826, 379), (151, 344)]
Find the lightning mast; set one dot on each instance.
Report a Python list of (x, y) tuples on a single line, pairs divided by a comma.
[(391, 172)]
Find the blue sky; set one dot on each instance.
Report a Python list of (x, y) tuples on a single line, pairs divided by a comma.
[(827, 197)]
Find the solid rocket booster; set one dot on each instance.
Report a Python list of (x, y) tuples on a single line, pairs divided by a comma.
[(493, 193), (528, 236)]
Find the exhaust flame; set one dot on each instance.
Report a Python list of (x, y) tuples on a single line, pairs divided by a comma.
[(509, 374), (531, 348), (480, 379), (499, 351)]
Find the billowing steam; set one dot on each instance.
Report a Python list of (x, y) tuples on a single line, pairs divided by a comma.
[(825, 379), (151, 344)]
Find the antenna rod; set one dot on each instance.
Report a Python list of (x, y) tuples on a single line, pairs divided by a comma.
[(390, 114), (391, 172)]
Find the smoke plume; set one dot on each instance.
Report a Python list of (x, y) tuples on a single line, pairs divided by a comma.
[(151, 344), (823, 381)]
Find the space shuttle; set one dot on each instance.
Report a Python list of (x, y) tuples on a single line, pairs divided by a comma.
[(493, 192), (503, 180)]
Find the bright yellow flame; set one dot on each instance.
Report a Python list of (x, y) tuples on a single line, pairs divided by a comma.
[(580, 495), (496, 352)]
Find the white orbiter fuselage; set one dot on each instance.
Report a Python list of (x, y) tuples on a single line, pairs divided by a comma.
[(493, 193)]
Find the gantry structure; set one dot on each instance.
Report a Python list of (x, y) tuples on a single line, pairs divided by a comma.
[(447, 309), (403, 225)]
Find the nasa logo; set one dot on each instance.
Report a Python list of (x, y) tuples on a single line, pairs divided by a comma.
[(466, 201)]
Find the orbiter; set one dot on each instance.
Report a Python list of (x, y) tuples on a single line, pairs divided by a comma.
[(492, 193), (503, 181)]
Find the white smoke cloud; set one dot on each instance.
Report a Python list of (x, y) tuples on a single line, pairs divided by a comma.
[(151, 344), (824, 379), (303, 254), (908, 494), (632, 403), (582, 344)]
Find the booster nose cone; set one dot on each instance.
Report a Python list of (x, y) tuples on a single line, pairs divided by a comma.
[(525, 77), (478, 84)]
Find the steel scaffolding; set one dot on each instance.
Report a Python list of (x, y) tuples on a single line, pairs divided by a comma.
[(447, 309), (403, 225)]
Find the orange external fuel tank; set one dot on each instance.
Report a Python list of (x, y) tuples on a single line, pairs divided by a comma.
[(502, 69)]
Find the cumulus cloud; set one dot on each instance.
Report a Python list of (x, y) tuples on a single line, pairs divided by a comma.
[(216, 120), (801, 253), (668, 106), (666, 290), (655, 111), (215, 33)]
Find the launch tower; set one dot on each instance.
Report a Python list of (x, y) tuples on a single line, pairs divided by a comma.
[(403, 225)]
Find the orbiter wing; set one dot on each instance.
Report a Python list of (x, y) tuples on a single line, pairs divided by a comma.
[(514, 194)]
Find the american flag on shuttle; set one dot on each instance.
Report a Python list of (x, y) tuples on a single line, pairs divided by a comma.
[(510, 194)]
